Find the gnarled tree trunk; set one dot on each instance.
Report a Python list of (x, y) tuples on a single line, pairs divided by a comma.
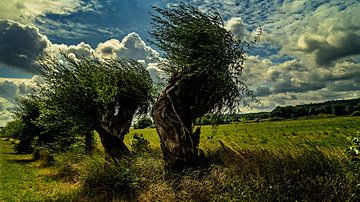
[(112, 130), (114, 145), (179, 143)]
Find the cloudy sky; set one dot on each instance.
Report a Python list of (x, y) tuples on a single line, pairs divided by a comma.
[(309, 51)]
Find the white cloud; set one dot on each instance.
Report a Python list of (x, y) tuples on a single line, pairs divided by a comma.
[(21, 45), (237, 27), (131, 47), (27, 10), (9, 90)]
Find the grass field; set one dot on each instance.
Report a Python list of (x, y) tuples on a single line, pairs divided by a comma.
[(26, 180), (276, 160), (325, 133)]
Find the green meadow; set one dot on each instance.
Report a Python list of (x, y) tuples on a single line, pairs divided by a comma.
[(287, 135), (291, 160)]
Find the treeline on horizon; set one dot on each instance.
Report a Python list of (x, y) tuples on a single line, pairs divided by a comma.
[(334, 107)]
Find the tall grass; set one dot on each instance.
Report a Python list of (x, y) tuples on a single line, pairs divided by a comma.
[(231, 174)]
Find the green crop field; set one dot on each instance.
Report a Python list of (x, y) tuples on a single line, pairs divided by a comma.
[(301, 159)]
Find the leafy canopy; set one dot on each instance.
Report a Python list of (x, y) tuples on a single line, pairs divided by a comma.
[(201, 56), (90, 91)]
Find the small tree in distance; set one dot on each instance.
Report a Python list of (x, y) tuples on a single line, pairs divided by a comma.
[(26, 115), (143, 122), (91, 94), (204, 62)]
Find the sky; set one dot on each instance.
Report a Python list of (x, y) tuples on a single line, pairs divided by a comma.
[(309, 50)]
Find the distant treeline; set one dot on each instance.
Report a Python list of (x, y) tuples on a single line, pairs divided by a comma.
[(336, 107)]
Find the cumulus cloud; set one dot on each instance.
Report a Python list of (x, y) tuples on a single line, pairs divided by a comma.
[(9, 90), (262, 91), (337, 45), (5, 117), (294, 82), (237, 27), (131, 47), (27, 10), (322, 34), (20, 45), (72, 51)]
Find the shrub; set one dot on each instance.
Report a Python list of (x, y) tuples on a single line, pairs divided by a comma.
[(139, 143)]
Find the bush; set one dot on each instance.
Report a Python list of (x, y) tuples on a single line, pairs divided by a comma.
[(140, 144), (142, 123)]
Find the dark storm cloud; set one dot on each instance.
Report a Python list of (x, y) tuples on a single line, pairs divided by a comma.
[(288, 86), (262, 91), (20, 45), (347, 44), (346, 85)]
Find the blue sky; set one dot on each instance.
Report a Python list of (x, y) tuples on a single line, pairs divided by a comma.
[(309, 51)]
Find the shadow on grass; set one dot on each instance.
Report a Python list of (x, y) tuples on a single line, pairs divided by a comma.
[(21, 161)]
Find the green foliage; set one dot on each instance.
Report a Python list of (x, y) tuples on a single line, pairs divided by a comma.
[(85, 93), (203, 59), (143, 122), (139, 143), (12, 129), (27, 113)]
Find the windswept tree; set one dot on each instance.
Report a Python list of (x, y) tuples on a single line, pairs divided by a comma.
[(204, 62), (26, 115), (93, 94)]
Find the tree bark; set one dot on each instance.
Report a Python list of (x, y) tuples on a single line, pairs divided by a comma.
[(112, 128), (179, 143), (114, 145)]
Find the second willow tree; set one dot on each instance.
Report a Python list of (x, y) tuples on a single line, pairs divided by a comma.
[(92, 94), (204, 62)]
